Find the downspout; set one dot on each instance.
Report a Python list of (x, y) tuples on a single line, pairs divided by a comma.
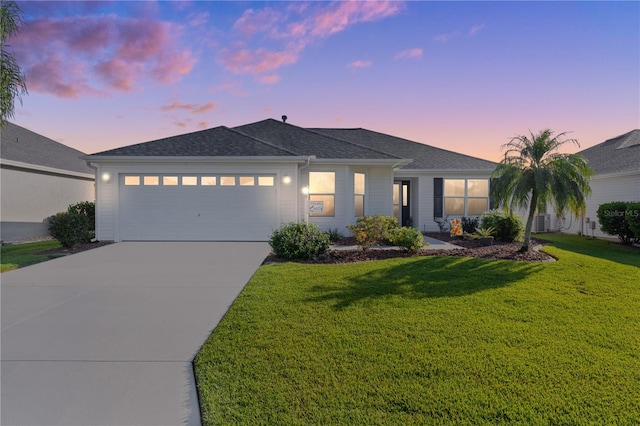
[(306, 207), (95, 193)]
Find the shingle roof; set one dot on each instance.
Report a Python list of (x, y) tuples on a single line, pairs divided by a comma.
[(424, 156), (219, 141), (620, 154), (305, 142), (25, 146)]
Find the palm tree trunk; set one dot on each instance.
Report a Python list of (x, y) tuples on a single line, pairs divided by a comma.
[(527, 229)]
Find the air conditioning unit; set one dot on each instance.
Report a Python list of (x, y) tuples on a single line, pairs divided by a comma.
[(542, 223)]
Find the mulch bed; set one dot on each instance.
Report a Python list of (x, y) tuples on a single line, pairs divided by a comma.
[(499, 250), (77, 248)]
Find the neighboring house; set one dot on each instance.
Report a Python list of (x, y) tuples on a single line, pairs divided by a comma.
[(242, 183), (616, 167), (39, 178)]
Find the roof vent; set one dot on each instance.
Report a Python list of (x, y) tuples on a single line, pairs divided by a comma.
[(284, 118)]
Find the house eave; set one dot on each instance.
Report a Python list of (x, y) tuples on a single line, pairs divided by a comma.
[(393, 162), (447, 171), (194, 159), (18, 165)]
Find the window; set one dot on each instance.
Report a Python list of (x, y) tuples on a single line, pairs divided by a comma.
[(151, 180), (265, 180), (466, 197), (358, 194), (208, 181), (132, 180), (227, 180), (247, 181), (169, 180), (189, 180), (322, 190)]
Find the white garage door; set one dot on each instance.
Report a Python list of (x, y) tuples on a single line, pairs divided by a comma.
[(198, 207)]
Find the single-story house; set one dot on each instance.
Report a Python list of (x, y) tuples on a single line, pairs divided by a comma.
[(39, 178), (241, 183), (616, 166)]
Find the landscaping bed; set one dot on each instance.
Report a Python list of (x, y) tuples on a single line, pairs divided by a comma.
[(77, 248), (471, 248)]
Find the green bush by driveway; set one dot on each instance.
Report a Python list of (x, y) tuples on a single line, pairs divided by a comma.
[(431, 340)]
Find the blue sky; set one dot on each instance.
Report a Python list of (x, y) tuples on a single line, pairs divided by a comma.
[(465, 76)]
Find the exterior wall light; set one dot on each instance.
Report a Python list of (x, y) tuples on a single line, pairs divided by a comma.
[(106, 177), (286, 180)]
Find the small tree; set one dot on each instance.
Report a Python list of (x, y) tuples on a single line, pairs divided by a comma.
[(533, 173)]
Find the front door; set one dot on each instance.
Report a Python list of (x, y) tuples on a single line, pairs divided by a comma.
[(401, 202)]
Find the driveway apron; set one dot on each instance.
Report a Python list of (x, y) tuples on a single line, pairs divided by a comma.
[(108, 336)]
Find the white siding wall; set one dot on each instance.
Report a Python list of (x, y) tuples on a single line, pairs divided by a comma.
[(379, 191), (378, 194), (108, 204), (32, 197), (422, 194), (605, 189)]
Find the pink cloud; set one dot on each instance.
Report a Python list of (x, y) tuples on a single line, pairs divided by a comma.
[(410, 53), (341, 14), (269, 79), (192, 108), (475, 29), (359, 64), (447, 37), (246, 61), (297, 25), (99, 53)]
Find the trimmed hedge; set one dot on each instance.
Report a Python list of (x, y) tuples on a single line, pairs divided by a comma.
[(408, 238), (620, 218), (374, 230), (299, 241), (507, 227), (75, 226), (70, 228)]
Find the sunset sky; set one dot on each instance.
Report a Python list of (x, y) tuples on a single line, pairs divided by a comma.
[(464, 76)]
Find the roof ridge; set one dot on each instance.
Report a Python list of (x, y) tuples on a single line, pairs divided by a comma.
[(420, 143), (263, 141), (351, 143)]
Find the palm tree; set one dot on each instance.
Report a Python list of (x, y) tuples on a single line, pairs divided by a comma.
[(12, 80), (533, 174)]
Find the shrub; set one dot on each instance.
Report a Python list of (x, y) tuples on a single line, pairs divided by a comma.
[(87, 208), (299, 241), (372, 230), (408, 238), (334, 235), (612, 217), (443, 223), (633, 219), (507, 227), (70, 228), (469, 224)]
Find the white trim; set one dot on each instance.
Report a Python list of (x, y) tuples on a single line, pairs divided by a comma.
[(46, 169), (193, 159), (439, 171), (360, 162)]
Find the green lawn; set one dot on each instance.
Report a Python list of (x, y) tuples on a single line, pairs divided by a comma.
[(20, 255), (432, 340)]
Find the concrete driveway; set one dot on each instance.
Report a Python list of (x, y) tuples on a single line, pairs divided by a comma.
[(107, 336)]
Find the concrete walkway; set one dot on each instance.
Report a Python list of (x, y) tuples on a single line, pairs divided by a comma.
[(433, 245), (107, 336)]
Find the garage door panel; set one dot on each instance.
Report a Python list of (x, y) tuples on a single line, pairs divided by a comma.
[(196, 213)]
